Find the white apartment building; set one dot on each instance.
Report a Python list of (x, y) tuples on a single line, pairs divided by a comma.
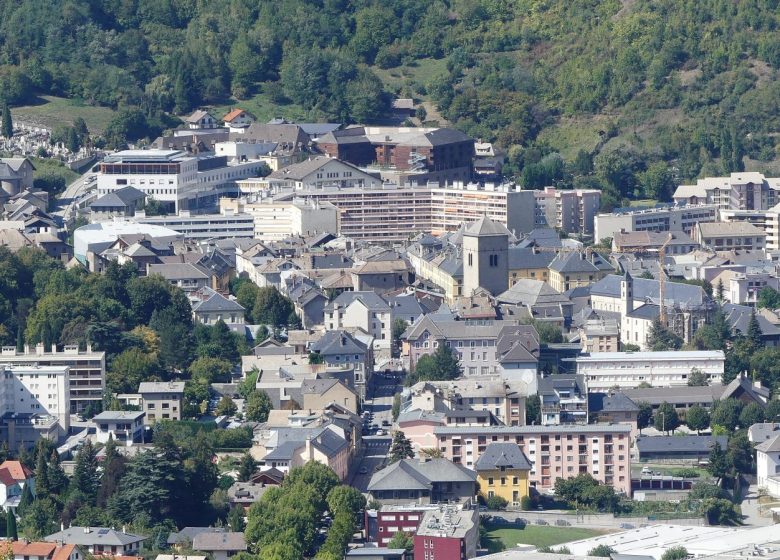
[(277, 220), (605, 370), (224, 225), (126, 427), (669, 218), (572, 211), (363, 310), (739, 191), (179, 180), (86, 378), (767, 221), (36, 391)]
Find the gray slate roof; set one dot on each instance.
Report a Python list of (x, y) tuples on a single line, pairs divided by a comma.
[(525, 257), (217, 302), (96, 535), (187, 534), (770, 446), (219, 541), (575, 263), (507, 455), (120, 197), (674, 444), (371, 300), (338, 342), (686, 295), (411, 474), (616, 402)]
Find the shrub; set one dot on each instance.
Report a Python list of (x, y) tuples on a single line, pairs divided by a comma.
[(496, 502)]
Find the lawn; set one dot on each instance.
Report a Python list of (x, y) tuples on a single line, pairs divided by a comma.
[(51, 112), (424, 71), (570, 135), (503, 537), (263, 109)]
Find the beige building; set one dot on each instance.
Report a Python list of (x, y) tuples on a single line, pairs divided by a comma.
[(319, 393), (576, 269), (274, 221), (569, 210), (727, 236), (600, 335), (161, 400)]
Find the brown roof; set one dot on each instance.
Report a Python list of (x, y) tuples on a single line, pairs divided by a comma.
[(18, 471), (235, 113), (22, 548), (64, 552)]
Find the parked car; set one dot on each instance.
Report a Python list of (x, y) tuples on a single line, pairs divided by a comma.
[(380, 432), (385, 423), (626, 526)]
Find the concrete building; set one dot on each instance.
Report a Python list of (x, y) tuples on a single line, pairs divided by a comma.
[(366, 310), (485, 257), (176, 179), (121, 203), (600, 335), (728, 236), (274, 221), (452, 534), (554, 451), (664, 218), (740, 191), (650, 242), (162, 400), (125, 427), (424, 481), (341, 349), (605, 370), (678, 448), (319, 393), (16, 175), (87, 370), (96, 238), (34, 403), (577, 269), (571, 211), (318, 173), (502, 470), (564, 399), (201, 227)]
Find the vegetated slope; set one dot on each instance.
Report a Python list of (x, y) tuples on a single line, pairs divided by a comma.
[(688, 85)]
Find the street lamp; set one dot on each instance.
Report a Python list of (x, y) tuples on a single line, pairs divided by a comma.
[(663, 420)]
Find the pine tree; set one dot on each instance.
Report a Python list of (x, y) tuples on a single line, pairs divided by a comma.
[(754, 334), (401, 447), (10, 526), (8, 126), (235, 519), (719, 291), (58, 481), (85, 474), (25, 501), (42, 488), (246, 468)]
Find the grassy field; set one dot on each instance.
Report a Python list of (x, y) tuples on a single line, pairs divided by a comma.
[(52, 112), (503, 537), (425, 71), (570, 135), (263, 109)]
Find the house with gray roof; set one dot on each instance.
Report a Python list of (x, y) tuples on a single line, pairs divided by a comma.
[(763, 431), (340, 348), (99, 541), (564, 399), (289, 447), (215, 307), (367, 311), (161, 400), (126, 427), (187, 276), (425, 481), (220, 546), (122, 202), (184, 537), (499, 456), (768, 465), (611, 408)]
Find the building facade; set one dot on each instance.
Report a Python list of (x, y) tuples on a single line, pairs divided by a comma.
[(668, 218)]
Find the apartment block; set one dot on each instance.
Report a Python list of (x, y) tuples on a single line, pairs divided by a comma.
[(161, 400), (201, 227), (451, 532), (730, 236), (738, 191), (553, 451), (628, 370), (572, 211), (87, 375), (663, 218), (274, 221), (34, 395)]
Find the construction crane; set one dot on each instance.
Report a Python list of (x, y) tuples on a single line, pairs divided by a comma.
[(662, 280)]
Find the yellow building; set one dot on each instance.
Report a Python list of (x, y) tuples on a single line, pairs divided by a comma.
[(575, 270), (502, 470), (529, 264)]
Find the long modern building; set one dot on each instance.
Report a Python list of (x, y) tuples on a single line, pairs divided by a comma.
[(603, 450), (739, 191), (628, 370), (662, 218), (178, 180), (86, 378), (224, 225)]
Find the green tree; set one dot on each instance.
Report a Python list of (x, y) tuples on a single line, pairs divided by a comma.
[(246, 467), (533, 410), (602, 550), (39, 520), (235, 519), (86, 478), (726, 413), (10, 525), (697, 418), (754, 334), (740, 454), (258, 406), (718, 464), (768, 298), (401, 448), (443, 364), (697, 378), (226, 407), (657, 181), (398, 328), (345, 499), (644, 416), (719, 511), (7, 125), (496, 503), (396, 408), (401, 540), (666, 418), (662, 339), (42, 487), (213, 370), (675, 553), (271, 307), (752, 413), (25, 501)]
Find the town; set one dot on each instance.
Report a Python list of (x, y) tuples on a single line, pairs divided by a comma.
[(399, 280)]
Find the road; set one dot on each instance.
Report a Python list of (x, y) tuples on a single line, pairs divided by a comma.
[(70, 197), (379, 402)]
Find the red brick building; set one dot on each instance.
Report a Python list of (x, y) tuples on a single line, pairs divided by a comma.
[(449, 533)]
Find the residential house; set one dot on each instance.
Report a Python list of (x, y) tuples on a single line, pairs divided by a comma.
[(529, 263), (536, 299), (124, 203), (763, 431), (13, 478), (201, 120), (125, 427), (575, 269), (27, 550), (423, 481), (768, 466), (612, 408), (237, 120), (286, 448), (220, 546), (309, 301), (339, 348), (216, 307), (187, 276), (381, 276), (162, 400), (318, 393), (363, 310), (182, 540), (244, 494), (650, 242), (99, 541), (502, 470), (564, 399), (600, 335)]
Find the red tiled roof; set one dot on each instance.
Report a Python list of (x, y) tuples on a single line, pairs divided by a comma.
[(232, 115), (17, 470), (64, 552), (22, 548)]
